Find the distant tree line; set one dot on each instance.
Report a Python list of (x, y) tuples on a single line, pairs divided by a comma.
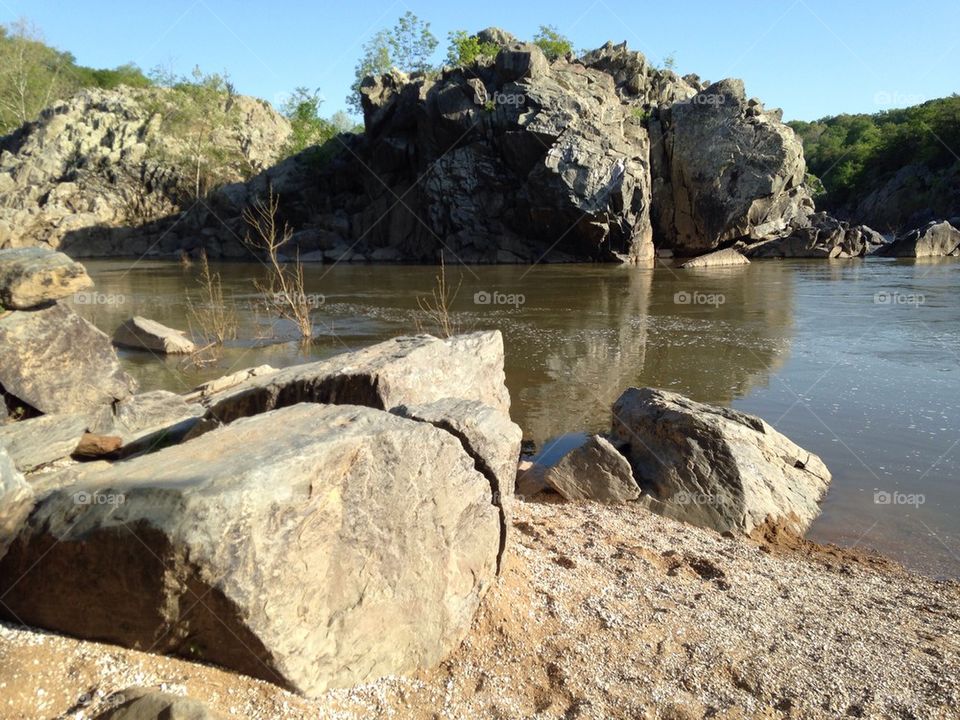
[(852, 155)]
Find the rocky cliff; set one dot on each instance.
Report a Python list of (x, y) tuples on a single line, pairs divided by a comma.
[(512, 159), (111, 160)]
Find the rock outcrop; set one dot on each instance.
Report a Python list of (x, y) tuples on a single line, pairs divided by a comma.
[(34, 276), (93, 168), (725, 169), (593, 471), (716, 467), (936, 239), (314, 546), (819, 236), (514, 159), (140, 333)]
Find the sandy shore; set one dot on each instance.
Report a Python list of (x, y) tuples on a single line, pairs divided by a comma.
[(602, 612)]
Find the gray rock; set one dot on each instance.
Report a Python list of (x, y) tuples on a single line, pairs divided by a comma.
[(496, 36), (220, 384), (146, 704), (818, 236), (705, 198), (314, 546), (148, 421), (488, 436), (521, 61), (716, 467), (594, 471), (16, 500), (140, 333), (936, 239), (35, 276), (95, 163), (405, 370), (39, 441), (56, 362), (531, 479), (718, 258)]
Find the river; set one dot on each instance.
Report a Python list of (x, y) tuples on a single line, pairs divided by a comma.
[(857, 361)]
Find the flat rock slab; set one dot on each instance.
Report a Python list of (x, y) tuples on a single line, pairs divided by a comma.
[(148, 421), (42, 440), (314, 546), (34, 276), (57, 362), (140, 333), (405, 370), (721, 258), (716, 467), (593, 471)]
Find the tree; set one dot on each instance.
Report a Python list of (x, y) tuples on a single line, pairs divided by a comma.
[(407, 47), (31, 74), (553, 44), (465, 49), (307, 128)]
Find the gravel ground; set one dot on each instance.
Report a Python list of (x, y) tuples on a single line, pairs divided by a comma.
[(602, 612)]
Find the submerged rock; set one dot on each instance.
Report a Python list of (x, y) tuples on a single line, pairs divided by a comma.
[(34, 276), (315, 546), (719, 258), (140, 333), (593, 471), (716, 467), (56, 362)]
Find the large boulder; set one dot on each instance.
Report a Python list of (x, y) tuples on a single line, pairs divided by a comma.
[(593, 471), (315, 546), (34, 276), (716, 467), (936, 239), (405, 370), (140, 333), (146, 704), (728, 169), (56, 362)]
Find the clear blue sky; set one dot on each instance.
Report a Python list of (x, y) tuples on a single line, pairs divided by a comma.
[(810, 57)]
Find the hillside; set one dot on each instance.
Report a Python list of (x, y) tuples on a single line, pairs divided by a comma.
[(891, 170)]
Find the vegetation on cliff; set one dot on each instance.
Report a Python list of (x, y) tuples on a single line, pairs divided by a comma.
[(855, 155)]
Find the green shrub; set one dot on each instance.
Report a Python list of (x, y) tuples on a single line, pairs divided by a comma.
[(465, 49), (553, 44)]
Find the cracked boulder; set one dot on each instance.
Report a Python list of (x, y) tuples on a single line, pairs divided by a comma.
[(315, 546), (488, 435), (715, 467)]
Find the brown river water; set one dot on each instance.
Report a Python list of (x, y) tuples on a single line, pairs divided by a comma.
[(857, 361)]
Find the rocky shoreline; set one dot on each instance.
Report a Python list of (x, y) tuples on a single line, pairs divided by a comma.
[(361, 532), (600, 612)]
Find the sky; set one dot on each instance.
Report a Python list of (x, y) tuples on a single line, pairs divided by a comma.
[(810, 57)]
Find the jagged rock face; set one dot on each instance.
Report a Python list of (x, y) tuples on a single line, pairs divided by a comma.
[(505, 163), (514, 159), (936, 239), (102, 159), (819, 236), (727, 170)]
